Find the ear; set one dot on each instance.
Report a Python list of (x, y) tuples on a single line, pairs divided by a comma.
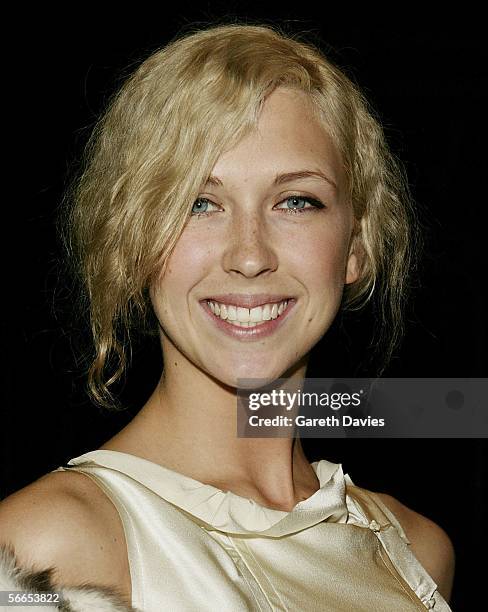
[(352, 268), (354, 258)]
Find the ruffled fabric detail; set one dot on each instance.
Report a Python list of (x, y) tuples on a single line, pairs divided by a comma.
[(225, 511)]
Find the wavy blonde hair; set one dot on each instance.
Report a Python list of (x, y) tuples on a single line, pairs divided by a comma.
[(158, 140)]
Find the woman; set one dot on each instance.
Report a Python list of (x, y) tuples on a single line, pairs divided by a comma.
[(235, 195)]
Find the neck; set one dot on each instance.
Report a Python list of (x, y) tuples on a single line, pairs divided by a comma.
[(189, 425)]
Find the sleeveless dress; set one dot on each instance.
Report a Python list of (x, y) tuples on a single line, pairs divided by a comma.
[(192, 546)]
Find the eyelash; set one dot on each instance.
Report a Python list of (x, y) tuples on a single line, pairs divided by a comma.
[(316, 206)]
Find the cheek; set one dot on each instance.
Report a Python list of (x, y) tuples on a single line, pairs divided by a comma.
[(185, 268), (321, 259)]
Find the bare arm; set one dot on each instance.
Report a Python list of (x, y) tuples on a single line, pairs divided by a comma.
[(63, 521)]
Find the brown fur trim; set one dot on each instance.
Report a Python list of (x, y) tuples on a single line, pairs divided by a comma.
[(84, 598)]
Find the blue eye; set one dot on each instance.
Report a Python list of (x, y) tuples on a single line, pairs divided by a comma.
[(298, 204), (200, 206)]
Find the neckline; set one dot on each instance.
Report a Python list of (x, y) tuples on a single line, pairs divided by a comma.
[(216, 509)]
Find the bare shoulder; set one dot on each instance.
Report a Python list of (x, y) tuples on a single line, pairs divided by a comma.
[(64, 520), (429, 543)]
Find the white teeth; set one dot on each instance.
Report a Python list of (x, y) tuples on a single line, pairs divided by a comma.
[(256, 314), (245, 317)]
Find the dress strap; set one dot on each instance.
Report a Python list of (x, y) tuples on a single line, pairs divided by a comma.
[(399, 556)]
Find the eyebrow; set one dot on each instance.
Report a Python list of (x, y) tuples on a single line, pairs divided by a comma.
[(287, 177)]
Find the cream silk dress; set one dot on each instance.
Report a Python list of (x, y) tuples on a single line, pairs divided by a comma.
[(193, 547)]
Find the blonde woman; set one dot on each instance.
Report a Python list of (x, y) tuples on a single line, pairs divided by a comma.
[(236, 193)]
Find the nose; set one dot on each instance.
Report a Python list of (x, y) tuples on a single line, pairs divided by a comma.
[(249, 251)]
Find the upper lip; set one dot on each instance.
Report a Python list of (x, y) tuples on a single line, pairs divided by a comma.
[(248, 300)]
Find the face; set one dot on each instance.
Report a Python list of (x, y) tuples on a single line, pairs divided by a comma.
[(272, 226)]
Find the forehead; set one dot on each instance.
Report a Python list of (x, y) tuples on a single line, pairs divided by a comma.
[(287, 137)]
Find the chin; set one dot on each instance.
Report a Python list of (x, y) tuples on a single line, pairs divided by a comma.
[(250, 375)]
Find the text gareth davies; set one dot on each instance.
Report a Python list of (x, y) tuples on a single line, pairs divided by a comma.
[(301, 421)]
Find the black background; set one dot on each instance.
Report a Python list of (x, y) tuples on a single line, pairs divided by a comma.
[(427, 80)]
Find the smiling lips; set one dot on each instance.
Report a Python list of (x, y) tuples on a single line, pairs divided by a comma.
[(250, 317), (247, 317)]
